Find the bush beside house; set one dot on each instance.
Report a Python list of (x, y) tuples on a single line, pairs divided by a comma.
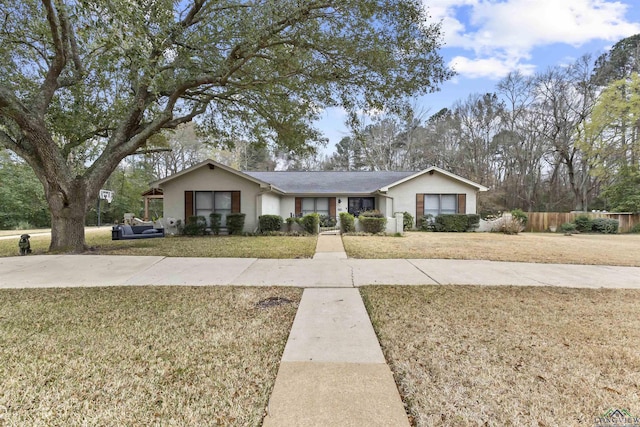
[(235, 223), (270, 223), (450, 223), (373, 222), (195, 226), (347, 223)]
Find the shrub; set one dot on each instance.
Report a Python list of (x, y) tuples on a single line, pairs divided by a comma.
[(372, 214), (216, 220), (509, 225), (456, 223), (635, 228), (195, 226), (235, 223), (605, 225), (520, 216), (407, 221), (427, 223), (568, 228), (347, 223), (310, 223), (269, 223), (373, 222), (474, 221), (584, 223), (327, 221)]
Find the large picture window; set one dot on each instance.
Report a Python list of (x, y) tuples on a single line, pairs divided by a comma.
[(319, 205), (208, 202), (436, 204)]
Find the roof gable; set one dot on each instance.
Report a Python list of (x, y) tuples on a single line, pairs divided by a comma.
[(433, 169), (211, 164)]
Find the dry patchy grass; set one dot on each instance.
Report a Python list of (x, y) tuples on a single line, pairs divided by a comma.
[(498, 356), (180, 246), (140, 356), (525, 247)]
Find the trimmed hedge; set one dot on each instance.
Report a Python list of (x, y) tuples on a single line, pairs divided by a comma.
[(373, 222), (451, 223), (235, 223), (195, 226), (310, 223), (216, 220), (347, 222), (605, 225), (583, 223), (269, 223)]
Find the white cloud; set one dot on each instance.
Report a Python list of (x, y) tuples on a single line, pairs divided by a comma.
[(492, 68), (502, 34)]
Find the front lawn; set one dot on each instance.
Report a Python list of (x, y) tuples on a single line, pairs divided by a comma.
[(141, 356), (181, 246), (498, 356), (595, 249)]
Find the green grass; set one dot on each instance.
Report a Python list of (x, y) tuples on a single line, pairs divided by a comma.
[(140, 356), (180, 246), (498, 356)]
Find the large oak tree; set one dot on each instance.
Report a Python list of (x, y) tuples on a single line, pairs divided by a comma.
[(84, 83)]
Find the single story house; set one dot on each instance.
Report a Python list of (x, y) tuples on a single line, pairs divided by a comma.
[(213, 187)]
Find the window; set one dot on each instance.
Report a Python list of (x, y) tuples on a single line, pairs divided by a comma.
[(208, 202), (436, 204), (319, 205), (361, 204)]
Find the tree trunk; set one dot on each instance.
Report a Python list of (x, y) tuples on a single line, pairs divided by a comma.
[(68, 213)]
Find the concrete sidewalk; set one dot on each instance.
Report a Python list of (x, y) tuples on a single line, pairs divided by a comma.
[(105, 270)]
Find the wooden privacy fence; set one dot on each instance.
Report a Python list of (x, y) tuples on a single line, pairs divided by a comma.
[(548, 221)]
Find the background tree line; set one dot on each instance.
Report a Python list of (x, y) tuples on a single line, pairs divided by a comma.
[(563, 139)]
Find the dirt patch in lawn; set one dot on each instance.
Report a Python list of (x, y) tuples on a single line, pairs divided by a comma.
[(140, 356), (469, 356), (590, 249)]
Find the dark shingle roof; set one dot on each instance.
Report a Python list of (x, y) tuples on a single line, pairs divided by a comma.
[(330, 182)]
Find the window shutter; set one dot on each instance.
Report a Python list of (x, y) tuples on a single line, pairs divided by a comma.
[(419, 209), (188, 205), (235, 202), (298, 206), (462, 203), (332, 207)]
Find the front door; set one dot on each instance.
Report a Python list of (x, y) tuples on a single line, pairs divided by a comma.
[(361, 204)]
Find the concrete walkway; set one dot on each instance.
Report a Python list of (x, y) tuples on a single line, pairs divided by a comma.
[(332, 371)]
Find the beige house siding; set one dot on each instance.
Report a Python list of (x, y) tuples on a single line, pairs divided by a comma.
[(206, 179), (269, 204), (287, 206), (404, 195)]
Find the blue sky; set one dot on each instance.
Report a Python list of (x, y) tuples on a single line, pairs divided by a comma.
[(486, 39)]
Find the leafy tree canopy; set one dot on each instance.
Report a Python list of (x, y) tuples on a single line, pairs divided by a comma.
[(84, 84)]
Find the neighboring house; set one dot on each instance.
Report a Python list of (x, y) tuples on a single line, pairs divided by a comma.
[(212, 187)]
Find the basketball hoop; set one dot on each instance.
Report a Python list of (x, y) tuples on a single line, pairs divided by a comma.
[(106, 195)]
